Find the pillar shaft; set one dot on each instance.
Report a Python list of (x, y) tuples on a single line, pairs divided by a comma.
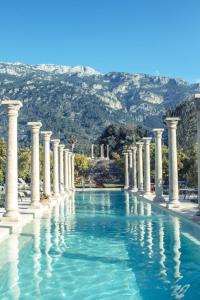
[(173, 167), (61, 168), (55, 167), (140, 167), (102, 150), (107, 151), (147, 166), (66, 167), (47, 167), (126, 171), (130, 167), (35, 164), (11, 197), (70, 170), (158, 165), (197, 103), (134, 169), (92, 151)]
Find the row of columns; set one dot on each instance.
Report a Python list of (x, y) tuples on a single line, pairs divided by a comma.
[(102, 151), (139, 180), (63, 164)]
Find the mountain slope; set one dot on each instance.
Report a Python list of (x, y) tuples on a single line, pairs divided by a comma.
[(82, 101)]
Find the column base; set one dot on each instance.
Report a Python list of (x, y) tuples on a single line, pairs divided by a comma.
[(159, 199), (173, 204), (36, 205), (147, 194), (126, 187), (134, 190), (12, 216)]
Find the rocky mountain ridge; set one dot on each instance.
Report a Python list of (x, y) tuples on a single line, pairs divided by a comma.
[(82, 101)]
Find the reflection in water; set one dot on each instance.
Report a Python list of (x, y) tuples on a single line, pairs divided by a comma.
[(177, 246), (13, 258), (37, 255), (149, 238), (163, 271), (70, 213), (48, 247), (127, 203)]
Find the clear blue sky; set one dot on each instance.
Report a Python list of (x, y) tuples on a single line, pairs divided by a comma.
[(137, 36)]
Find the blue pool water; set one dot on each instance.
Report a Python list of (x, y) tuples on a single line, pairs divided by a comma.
[(100, 246)]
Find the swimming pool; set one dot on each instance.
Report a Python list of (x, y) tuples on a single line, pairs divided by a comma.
[(102, 245)]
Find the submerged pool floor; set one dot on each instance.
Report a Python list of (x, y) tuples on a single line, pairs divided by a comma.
[(102, 245)]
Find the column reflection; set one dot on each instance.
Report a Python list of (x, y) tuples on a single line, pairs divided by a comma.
[(48, 246), (37, 255), (127, 203), (163, 271), (13, 273)]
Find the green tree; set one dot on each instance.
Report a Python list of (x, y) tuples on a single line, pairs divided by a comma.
[(24, 163), (81, 164)]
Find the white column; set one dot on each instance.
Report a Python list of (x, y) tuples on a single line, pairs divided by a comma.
[(11, 197), (92, 151), (107, 151), (35, 164), (72, 171), (61, 168), (196, 99), (102, 151), (147, 166), (173, 168), (55, 143), (47, 167), (66, 166), (140, 167), (134, 169), (158, 165), (126, 173), (130, 167)]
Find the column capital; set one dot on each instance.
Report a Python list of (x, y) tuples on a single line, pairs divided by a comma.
[(196, 99), (66, 150), (158, 132), (140, 144), (172, 122), (12, 106), (55, 142), (61, 146), (46, 135), (146, 140), (35, 126)]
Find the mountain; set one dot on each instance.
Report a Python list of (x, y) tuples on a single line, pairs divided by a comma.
[(82, 101)]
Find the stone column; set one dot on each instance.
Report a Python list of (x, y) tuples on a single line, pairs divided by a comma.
[(47, 167), (72, 171), (158, 165), (55, 143), (147, 166), (140, 167), (130, 167), (11, 197), (126, 172), (134, 170), (92, 151), (196, 99), (102, 151), (35, 164), (107, 151), (66, 167), (61, 168), (173, 168)]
